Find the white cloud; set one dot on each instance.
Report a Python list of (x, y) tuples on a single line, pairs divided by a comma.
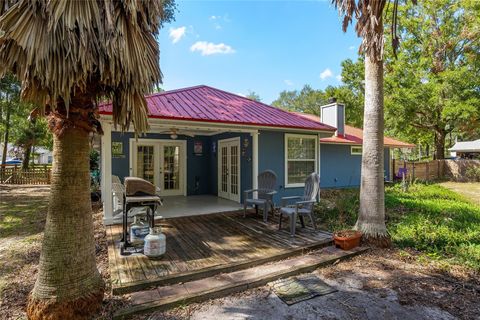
[(177, 33), (327, 73), (209, 48), (288, 82), (339, 77), (351, 48)]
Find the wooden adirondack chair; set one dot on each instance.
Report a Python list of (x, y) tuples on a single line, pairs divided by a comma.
[(266, 189), (303, 206)]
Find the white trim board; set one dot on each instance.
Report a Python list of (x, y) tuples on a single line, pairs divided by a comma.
[(226, 127)]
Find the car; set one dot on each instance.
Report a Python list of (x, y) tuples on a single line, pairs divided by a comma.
[(13, 161)]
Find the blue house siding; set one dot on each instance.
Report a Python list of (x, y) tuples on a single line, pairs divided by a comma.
[(201, 169), (198, 166), (271, 156), (340, 169)]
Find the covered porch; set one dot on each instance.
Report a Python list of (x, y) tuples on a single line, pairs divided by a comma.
[(182, 206), (199, 168)]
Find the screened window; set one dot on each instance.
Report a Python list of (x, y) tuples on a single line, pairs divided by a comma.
[(300, 157)]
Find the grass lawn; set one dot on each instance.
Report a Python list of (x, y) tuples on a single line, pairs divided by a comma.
[(436, 221), (470, 190)]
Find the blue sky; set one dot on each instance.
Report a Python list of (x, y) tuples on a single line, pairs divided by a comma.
[(261, 46)]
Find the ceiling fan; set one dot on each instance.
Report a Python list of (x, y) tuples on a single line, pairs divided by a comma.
[(174, 132)]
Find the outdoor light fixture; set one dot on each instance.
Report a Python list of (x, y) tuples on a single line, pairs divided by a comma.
[(173, 134)]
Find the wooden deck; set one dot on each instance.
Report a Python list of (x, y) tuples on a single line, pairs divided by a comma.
[(201, 246)]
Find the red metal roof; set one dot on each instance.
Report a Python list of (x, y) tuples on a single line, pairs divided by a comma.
[(355, 135), (207, 104)]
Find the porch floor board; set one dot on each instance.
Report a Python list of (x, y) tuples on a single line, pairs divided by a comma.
[(199, 246)]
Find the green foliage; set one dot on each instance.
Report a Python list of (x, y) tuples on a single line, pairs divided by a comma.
[(436, 221), (309, 100), (254, 96), (473, 174), (22, 132), (429, 218), (432, 88), (338, 209)]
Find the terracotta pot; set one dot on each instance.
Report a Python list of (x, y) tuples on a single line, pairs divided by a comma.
[(347, 239)]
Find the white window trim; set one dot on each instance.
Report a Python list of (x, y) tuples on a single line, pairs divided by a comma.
[(304, 136), (355, 153)]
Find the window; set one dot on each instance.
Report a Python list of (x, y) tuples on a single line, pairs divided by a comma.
[(357, 151), (300, 158)]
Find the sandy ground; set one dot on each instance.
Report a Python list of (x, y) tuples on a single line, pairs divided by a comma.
[(382, 284), (22, 218), (470, 190)]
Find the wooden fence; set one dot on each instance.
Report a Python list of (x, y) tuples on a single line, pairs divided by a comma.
[(424, 170), (454, 170), (13, 174)]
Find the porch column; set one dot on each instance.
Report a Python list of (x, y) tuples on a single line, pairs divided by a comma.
[(319, 163), (106, 156), (254, 160)]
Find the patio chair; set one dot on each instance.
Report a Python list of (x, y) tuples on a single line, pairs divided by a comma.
[(304, 205), (118, 191), (266, 189)]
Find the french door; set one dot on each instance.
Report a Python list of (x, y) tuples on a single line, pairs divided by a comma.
[(162, 163), (229, 169)]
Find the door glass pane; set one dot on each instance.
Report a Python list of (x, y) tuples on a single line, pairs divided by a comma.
[(145, 163), (234, 170), (224, 169), (171, 167)]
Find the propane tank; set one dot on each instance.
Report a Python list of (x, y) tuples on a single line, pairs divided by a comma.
[(138, 231), (155, 243)]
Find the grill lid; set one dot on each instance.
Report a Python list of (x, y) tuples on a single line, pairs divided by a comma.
[(138, 187)]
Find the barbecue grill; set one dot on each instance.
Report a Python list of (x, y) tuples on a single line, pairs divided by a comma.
[(138, 193)]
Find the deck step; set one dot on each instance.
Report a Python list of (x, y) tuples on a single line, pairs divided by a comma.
[(166, 297), (222, 268)]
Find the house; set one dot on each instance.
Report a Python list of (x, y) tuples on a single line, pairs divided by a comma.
[(466, 149), (341, 154), (208, 144), (43, 155)]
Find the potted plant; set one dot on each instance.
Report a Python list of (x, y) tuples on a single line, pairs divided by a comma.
[(347, 239)]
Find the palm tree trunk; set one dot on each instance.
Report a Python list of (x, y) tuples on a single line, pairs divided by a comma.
[(371, 218), (68, 285)]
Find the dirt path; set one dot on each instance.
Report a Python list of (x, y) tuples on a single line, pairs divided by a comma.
[(382, 284), (470, 190)]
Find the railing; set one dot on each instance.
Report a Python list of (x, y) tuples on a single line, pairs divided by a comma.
[(13, 174)]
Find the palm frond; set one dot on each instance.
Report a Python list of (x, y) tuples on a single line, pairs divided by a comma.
[(58, 47), (369, 26)]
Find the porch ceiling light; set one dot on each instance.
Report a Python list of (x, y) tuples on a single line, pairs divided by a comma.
[(173, 136)]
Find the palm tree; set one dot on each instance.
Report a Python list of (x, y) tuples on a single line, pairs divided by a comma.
[(369, 26), (67, 55)]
